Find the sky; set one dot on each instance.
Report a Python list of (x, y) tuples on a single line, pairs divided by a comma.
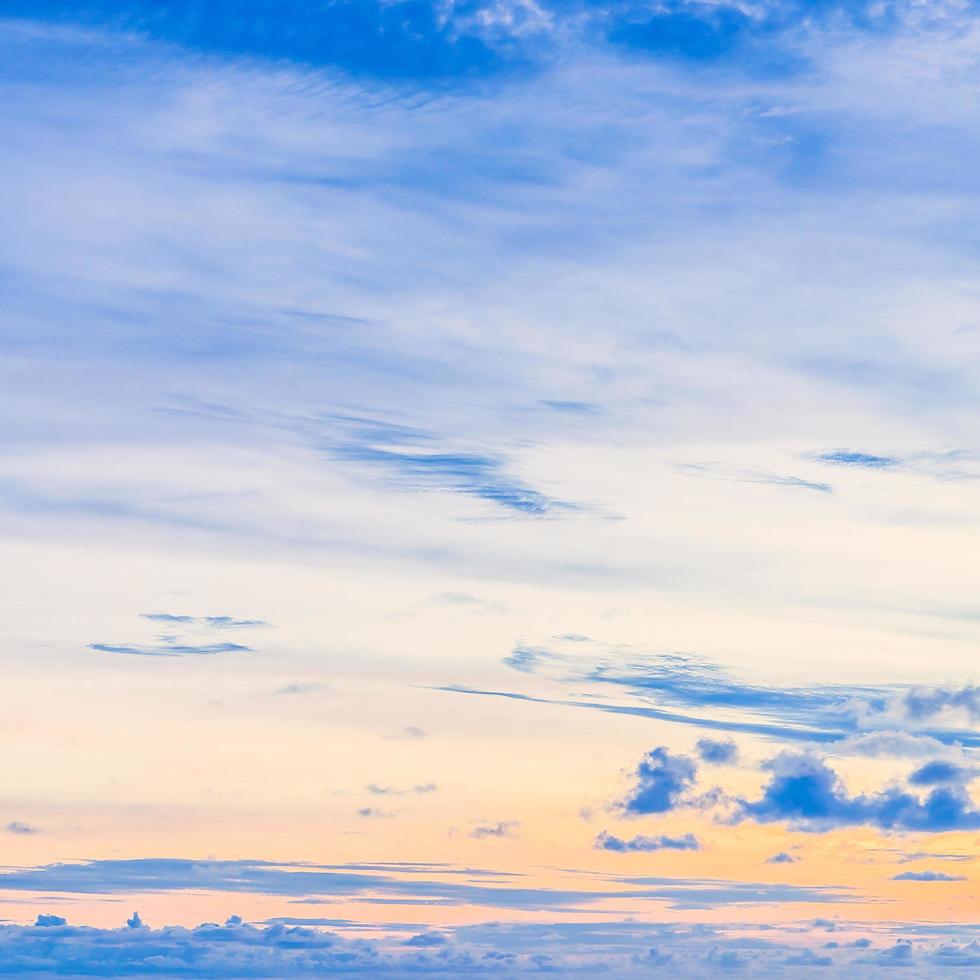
[(489, 487)]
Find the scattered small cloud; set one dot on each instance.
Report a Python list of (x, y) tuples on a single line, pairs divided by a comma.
[(17, 827), (46, 920), (858, 460), (503, 828), (642, 844), (409, 733), (457, 599), (301, 687), (927, 876), (571, 407), (421, 788), (205, 622), (782, 858), (527, 659)]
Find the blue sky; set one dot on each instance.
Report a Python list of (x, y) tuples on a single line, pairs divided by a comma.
[(505, 471)]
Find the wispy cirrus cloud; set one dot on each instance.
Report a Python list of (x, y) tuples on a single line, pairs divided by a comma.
[(868, 720), (719, 471), (169, 649), (927, 876), (181, 640), (390, 883), (204, 622), (950, 465)]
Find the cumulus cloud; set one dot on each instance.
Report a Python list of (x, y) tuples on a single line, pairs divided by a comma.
[(300, 948), (661, 780), (901, 954), (426, 940), (45, 920), (804, 791)]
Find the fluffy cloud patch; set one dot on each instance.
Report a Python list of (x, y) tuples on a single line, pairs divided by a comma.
[(804, 791), (661, 780)]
